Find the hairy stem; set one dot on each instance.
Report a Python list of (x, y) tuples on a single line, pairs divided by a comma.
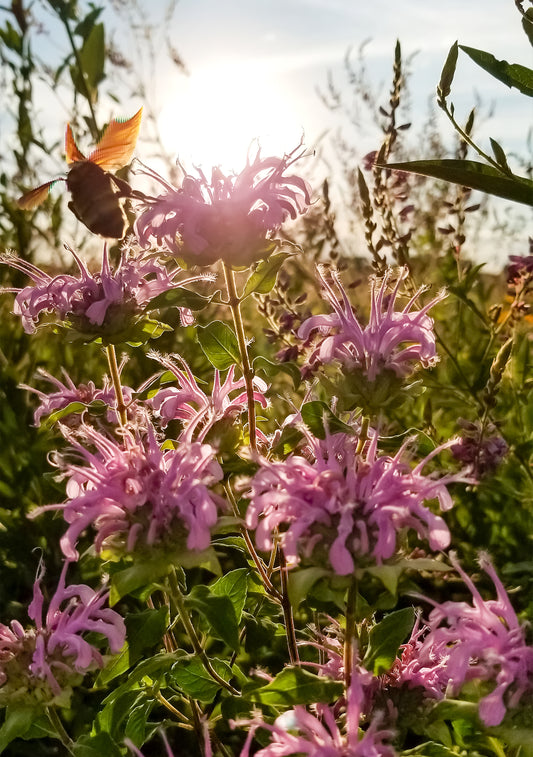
[(178, 599), (235, 305), (350, 633), (117, 385), (287, 611), (59, 728)]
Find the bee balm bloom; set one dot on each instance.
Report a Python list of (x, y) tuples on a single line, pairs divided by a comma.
[(137, 496), (41, 664), (394, 340), (232, 218)]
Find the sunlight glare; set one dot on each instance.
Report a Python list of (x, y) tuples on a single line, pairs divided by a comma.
[(219, 113)]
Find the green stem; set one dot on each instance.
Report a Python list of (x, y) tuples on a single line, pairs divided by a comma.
[(350, 633), (179, 601), (170, 707), (117, 385), (248, 374), (287, 611), (59, 728)]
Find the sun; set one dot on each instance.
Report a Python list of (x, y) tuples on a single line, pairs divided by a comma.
[(221, 112)]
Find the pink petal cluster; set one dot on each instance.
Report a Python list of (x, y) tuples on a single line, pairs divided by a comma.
[(229, 218), (43, 662), (479, 641), (346, 507), (136, 495), (299, 732), (67, 393), (199, 411), (90, 302), (392, 340)]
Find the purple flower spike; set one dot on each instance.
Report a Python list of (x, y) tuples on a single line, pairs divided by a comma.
[(232, 218), (348, 508), (43, 663), (135, 495), (392, 340), (479, 641)]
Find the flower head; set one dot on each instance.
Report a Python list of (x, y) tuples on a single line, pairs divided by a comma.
[(198, 411), (393, 340), (298, 731), (136, 495), (344, 506), (232, 218), (102, 303), (479, 641), (42, 663)]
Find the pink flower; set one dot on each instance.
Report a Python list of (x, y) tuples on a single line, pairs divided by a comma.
[(136, 495), (103, 303), (392, 340), (232, 218), (300, 732), (198, 411), (68, 393), (479, 641), (346, 507), (44, 662)]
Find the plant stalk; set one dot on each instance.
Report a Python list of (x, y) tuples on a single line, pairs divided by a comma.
[(117, 385)]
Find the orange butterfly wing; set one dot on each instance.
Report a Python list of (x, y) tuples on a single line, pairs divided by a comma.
[(115, 148), (72, 153), (35, 197)]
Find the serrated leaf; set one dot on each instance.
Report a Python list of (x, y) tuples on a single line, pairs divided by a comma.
[(218, 611), (263, 279), (233, 585), (384, 640), (297, 686), (448, 72), (193, 679), (96, 746), (18, 721), (470, 173), (141, 573), (145, 630), (318, 417), (219, 344), (511, 74), (301, 581), (180, 297), (271, 369), (137, 720)]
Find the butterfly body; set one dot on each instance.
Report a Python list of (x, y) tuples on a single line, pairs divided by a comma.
[(97, 195)]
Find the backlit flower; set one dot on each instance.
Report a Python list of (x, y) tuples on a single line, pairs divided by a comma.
[(135, 495), (106, 302), (346, 507), (480, 641), (40, 664), (232, 218), (394, 340)]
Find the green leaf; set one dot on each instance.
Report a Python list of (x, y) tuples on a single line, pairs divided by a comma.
[(470, 173), (145, 630), (499, 154), (271, 370), (72, 407), (384, 640), (301, 581), (92, 56), (179, 297), (137, 720), (219, 344), (448, 72), (317, 417), (297, 686), (218, 611), (263, 279), (193, 679), (141, 573), (18, 721), (511, 74), (96, 746), (233, 585)]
